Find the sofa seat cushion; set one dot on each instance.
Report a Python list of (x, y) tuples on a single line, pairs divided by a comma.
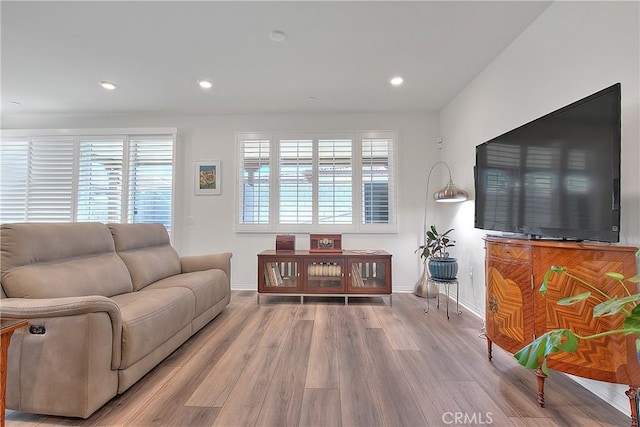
[(150, 317), (209, 287)]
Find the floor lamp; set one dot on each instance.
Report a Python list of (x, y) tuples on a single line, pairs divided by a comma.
[(449, 194)]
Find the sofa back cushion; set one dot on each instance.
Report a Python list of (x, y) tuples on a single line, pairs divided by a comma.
[(52, 260), (147, 252)]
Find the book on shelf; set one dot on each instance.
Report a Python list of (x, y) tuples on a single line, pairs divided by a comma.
[(356, 276), (276, 273), (272, 274), (267, 276)]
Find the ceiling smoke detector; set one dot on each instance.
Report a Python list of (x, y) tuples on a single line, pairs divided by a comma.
[(277, 36)]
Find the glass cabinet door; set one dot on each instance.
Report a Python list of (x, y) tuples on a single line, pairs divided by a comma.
[(281, 274), (325, 275), (368, 275)]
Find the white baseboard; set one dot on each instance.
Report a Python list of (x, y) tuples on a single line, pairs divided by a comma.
[(242, 287)]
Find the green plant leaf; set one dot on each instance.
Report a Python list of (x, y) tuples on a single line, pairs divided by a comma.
[(614, 305), (545, 279), (634, 279), (546, 344), (447, 232), (633, 320), (574, 299), (614, 275), (565, 340)]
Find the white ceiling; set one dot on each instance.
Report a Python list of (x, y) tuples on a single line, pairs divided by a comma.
[(338, 56)]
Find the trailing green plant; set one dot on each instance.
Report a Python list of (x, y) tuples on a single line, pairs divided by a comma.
[(565, 340), (436, 244)]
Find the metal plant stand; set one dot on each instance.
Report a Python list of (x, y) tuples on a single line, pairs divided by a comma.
[(447, 284)]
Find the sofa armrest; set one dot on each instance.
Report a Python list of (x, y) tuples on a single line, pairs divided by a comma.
[(221, 261), (25, 308)]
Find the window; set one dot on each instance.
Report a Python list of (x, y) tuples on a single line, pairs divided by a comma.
[(342, 182), (105, 178)]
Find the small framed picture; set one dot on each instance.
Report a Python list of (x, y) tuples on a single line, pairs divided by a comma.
[(325, 243), (208, 177)]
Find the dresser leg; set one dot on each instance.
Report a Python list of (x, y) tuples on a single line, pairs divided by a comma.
[(632, 394), (489, 349), (541, 376)]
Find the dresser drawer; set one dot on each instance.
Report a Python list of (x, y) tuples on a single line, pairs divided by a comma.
[(508, 252)]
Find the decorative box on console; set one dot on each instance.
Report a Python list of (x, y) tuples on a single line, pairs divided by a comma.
[(285, 243), (325, 243)]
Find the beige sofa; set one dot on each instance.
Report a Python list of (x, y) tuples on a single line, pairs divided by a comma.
[(105, 304)]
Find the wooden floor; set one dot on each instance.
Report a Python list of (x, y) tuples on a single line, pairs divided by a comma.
[(325, 363)]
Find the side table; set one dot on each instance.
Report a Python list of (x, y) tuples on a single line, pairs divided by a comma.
[(447, 284), (7, 326)]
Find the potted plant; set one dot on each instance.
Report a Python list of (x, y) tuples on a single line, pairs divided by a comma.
[(441, 266)]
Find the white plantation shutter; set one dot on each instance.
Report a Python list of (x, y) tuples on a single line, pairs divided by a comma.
[(296, 181), (150, 179), (100, 178), (14, 174), (51, 180), (254, 175), (310, 182), (378, 187), (86, 176), (335, 181)]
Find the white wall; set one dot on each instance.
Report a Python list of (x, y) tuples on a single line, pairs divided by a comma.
[(572, 50), (213, 138)]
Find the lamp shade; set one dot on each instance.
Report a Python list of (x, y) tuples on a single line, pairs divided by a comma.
[(450, 194)]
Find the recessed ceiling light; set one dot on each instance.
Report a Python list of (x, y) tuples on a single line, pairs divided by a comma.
[(277, 36), (108, 85), (396, 81), (205, 84)]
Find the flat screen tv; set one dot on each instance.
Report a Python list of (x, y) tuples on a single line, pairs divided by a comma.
[(556, 177)]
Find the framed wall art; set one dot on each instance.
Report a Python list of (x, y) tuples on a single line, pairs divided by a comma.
[(208, 177)]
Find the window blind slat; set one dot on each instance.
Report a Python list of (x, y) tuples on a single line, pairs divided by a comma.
[(296, 173), (13, 179), (254, 181), (150, 180), (377, 184), (335, 182), (51, 174), (100, 179)]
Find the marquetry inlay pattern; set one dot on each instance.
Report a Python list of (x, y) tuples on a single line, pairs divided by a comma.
[(505, 300), (517, 312), (604, 354)]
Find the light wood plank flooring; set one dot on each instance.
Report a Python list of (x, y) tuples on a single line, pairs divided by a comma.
[(329, 364)]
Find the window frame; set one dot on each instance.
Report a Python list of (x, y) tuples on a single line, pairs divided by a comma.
[(82, 135), (357, 193)]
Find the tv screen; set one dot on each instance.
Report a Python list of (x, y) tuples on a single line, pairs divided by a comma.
[(557, 176)]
